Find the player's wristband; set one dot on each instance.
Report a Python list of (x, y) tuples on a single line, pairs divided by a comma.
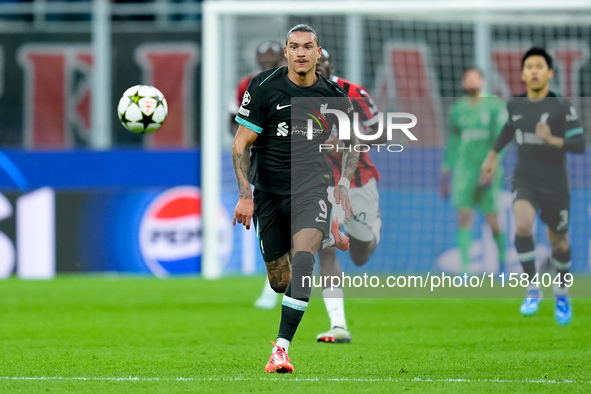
[(345, 182)]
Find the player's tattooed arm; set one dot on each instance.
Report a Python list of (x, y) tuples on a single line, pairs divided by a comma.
[(241, 168), (350, 159), (241, 157)]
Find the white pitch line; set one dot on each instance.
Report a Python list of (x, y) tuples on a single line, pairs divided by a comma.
[(240, 379)]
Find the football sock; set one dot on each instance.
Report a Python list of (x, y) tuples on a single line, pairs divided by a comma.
[(297, 295), (464, 238), (500, 241), (562, 262), (284, 343), (335, 306), (526, 252)]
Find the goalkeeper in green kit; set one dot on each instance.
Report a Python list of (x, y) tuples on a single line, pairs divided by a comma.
[(476, 120)]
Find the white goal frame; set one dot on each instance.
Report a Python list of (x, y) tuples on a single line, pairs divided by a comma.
[(212, 105)]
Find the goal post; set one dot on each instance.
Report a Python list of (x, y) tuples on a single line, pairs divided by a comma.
[(446, 36)]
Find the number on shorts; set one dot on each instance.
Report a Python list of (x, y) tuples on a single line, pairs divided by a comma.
[(563, 220), (360, 217), (323, 209)]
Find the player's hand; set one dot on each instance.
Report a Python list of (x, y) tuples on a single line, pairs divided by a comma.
[(543, 131), (484, 182), (341, 196), (444, 181), (243, 212), (488, 168)]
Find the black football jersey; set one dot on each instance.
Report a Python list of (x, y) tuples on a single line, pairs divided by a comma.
[(284, 161), (540, 165)]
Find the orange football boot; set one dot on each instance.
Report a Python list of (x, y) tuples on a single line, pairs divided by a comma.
[(279, 361), (341, 240)]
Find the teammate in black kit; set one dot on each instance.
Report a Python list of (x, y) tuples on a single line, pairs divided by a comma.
[(545, 127), (291, 209)]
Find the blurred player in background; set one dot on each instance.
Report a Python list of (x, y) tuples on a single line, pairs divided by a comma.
[(545, 126), (364, 228), (290, 204), (269, 55), (476, 120)]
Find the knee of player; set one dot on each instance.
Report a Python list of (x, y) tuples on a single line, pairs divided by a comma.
[(494, 226), (465, 218), (523, 229), (560, 245)]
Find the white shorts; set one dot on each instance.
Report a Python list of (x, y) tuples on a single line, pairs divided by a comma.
[(365, 201)]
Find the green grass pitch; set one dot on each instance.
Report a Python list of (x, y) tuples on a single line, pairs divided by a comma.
[(100, 334)]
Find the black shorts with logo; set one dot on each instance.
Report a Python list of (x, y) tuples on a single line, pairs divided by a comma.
[(278, 217), (555, 208)]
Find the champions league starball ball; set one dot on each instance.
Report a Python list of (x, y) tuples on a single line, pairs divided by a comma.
[(142, 109)]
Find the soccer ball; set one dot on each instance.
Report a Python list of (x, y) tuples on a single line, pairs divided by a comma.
[(142, 109)]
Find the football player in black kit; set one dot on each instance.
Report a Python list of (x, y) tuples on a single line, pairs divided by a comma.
[(545, 126), (290, 207)]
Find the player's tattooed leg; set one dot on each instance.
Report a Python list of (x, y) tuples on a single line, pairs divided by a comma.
[(279, 273)]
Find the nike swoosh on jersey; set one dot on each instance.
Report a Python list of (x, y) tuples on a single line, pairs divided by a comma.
[(515, 118), (280, 107)]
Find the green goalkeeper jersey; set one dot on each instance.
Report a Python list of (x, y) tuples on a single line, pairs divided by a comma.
[(475, 127)]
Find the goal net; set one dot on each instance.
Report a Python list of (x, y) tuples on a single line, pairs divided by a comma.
[(399, 51)]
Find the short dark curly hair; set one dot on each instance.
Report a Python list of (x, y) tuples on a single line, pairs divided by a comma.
[(537, 51)]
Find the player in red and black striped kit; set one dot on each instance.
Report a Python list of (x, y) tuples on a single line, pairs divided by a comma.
[(364, 228)]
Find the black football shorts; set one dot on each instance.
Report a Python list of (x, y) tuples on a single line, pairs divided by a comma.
[(555, 208), (278, 217)]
